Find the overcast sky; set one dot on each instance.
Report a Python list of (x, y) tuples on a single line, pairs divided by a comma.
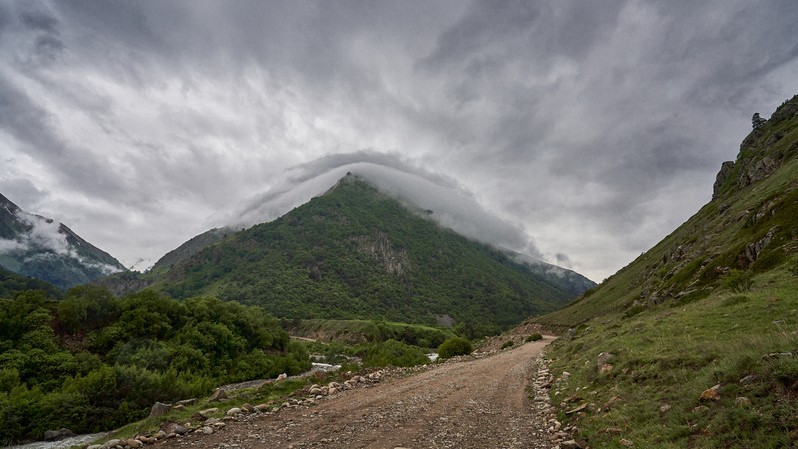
[(590, 128)]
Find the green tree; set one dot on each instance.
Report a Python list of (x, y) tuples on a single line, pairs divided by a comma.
[(757, 121)]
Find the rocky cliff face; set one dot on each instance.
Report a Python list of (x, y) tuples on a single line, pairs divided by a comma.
[(762, 152)]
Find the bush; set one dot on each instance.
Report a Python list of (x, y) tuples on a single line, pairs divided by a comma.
[(533, 337), (453, 347), (507, 344), (738, 281), (393, 353)]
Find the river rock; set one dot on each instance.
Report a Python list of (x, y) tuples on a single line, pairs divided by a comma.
[(112, 443), (55, 435)]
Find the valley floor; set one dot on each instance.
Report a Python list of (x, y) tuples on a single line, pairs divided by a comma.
[(480, 403)]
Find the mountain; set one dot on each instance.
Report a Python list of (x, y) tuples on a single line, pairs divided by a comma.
[(357, 253), (38, 247), (698, 334), (12, 283)]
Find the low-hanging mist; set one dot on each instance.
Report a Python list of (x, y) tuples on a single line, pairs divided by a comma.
[(451, 205)]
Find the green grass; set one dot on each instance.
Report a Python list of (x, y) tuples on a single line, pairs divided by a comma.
[(273, 394), (670, 355)]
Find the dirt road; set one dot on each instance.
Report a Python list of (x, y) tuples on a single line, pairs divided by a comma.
[(482, 403)]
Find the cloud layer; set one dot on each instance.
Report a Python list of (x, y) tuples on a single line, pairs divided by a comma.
[(594, 128)]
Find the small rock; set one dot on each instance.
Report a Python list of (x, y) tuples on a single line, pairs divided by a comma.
[(710, 394), (207, 430), (570, 444), (611, 403), (233, 411), (112, 443), (134, 443), (576, 410), (208, 412), (565, 375), (218, 395), (332, 391), (627, 443), (742, 401), (748, 379), (283, 376), (604, 358)]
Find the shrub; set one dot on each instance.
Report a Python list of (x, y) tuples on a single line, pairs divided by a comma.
[(738, 281), (792, 266), (534, 337), (394, 353), (507, 344), (453, 347)]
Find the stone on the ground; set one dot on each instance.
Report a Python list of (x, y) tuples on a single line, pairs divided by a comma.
[(710, 394), (159, 409), (282, 377), (218, 395), (233, 411)]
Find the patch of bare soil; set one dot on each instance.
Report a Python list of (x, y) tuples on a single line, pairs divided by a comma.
[(478, 403)]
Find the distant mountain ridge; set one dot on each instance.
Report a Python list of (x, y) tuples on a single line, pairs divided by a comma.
[(39, 247), (355, 252)]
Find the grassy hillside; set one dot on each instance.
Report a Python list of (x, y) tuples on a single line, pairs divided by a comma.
[(714, 303), (355, 253)]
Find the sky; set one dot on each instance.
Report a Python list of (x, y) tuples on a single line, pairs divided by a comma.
[(580, 133)]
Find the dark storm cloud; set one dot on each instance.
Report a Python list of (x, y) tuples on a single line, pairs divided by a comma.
[(597, 127)]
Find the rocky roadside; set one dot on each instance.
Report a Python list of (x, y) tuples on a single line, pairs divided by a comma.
[(416, 407)]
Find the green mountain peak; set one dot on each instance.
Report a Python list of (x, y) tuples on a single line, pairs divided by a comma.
[(355, 252)]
